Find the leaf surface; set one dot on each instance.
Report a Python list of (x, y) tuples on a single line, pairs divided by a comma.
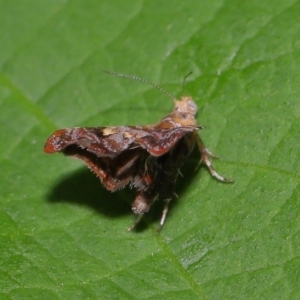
[(63, 236)]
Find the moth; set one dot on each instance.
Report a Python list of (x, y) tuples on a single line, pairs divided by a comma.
[(148, 158)]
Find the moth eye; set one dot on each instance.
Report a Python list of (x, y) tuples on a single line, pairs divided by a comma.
[(192, 106)]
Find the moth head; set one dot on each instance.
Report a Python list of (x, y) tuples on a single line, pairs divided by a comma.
[(186, 105)]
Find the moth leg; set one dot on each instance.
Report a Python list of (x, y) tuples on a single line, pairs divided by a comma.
[(209, 152), (205, 158), (138, 219), (164, 215)]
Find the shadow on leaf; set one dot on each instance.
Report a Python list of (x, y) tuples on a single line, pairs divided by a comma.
[(84, 188)]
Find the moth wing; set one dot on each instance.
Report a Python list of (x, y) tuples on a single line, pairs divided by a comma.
[(114, 172), (159, 141), (111, 141), (103, 150), (102, 141)]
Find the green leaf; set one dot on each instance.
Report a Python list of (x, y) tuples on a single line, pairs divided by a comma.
[(63, 236)]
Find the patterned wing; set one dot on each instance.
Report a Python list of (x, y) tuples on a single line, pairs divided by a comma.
[(111, 141)]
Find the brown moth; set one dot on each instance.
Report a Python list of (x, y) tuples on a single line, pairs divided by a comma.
[(148, 158)]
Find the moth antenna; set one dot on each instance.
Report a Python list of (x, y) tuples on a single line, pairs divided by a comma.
[(141, 80), (184, 80)]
